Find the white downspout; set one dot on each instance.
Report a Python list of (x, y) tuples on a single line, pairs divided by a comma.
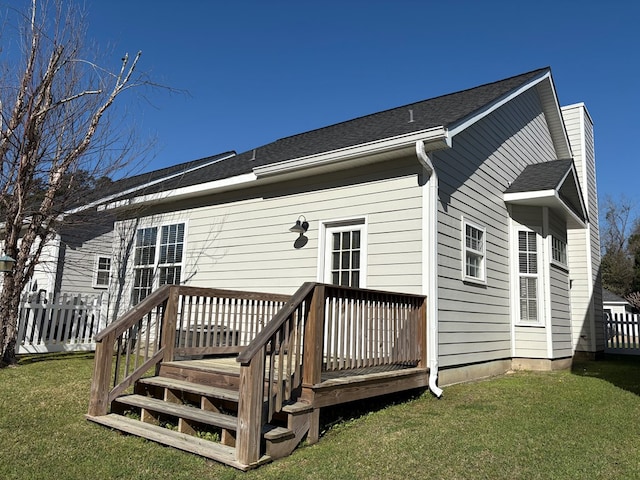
[(430, 232)]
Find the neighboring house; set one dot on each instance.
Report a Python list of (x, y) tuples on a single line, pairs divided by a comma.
[(614, 304), (484, 200)]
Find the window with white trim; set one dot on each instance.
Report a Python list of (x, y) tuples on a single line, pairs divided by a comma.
[(558, 250), (528, 277), (474, 252), (157, 259), (102, 272), (345, 254)]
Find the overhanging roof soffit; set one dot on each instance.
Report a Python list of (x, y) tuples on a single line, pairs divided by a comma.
[(550, 184)]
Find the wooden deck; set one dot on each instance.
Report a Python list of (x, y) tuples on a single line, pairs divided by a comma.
[(258, 388)]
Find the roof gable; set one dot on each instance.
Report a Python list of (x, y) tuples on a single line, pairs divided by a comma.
[(554, 184)]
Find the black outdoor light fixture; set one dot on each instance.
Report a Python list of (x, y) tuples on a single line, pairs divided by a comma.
[(301, 225), (6, 263)]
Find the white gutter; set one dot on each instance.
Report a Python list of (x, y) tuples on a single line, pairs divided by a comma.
[(437, 135), (430, 232)]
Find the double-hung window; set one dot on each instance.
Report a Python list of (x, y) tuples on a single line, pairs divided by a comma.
[(102, 272), (558, 251), (474, 252), (157, 259), (528, 276)]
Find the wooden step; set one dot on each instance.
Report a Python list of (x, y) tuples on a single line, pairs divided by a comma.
[(190, 387), (204, 448), (180, 411)]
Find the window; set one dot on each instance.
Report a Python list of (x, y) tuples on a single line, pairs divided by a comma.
[(528, 276), (157, 261), (474, 252), (102, 272), (345, 258), (345, 253), (558, 251)]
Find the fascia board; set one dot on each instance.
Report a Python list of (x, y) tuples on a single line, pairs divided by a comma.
[(107, 199), (438, 136), (183, 192)]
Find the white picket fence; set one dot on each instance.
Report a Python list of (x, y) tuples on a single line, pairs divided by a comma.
[(60, 324), (622, 333)]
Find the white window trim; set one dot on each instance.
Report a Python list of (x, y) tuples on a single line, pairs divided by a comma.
[(156, 277), (324, 253), (96, 263), (540, 275), (482, 280)]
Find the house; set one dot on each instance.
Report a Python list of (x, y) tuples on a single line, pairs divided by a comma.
[(442, 241), (614, 304), (484, 200)]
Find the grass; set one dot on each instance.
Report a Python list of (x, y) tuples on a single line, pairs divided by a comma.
[(565, 425)]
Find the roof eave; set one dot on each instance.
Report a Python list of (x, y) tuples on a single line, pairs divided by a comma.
[(547, 198), (183, 193), (434, 139)]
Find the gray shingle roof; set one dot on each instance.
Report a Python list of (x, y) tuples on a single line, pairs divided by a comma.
[(540, 176), (445, 111), (608, 296)]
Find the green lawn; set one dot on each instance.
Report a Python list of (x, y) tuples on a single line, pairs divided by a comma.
[(580, 424)]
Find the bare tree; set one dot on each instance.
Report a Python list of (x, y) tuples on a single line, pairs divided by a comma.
[(54, 125), (620, 244)]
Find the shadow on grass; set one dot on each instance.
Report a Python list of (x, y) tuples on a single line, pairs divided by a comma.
[(623, 371), (343, 413), (47, 357)]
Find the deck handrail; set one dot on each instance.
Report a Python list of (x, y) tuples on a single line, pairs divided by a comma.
[(323, 328), (272, 327), (175, 320), (132, 316), (271, 366)]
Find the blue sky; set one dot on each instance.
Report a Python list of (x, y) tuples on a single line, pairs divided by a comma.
[(257, 71)]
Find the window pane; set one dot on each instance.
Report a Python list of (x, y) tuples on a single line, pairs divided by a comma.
[(355, 259), (336, 241), (345, 260), (356, 239), (346, 240), (335, 262)]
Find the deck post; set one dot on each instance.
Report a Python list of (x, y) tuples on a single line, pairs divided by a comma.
[(313, 353), (250, 409), (313, 339), (98, 404), (422, 333), (169, 323)]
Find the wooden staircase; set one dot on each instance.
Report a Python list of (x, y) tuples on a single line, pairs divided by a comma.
[(201, 417), (240, 377)]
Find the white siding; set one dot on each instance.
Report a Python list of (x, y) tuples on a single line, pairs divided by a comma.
[(584, 245), (242, 241), (475, 321)]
